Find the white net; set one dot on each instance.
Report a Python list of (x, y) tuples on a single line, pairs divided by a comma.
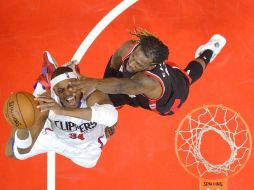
[(226, 123)]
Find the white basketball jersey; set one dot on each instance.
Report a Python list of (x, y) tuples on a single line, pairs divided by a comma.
[(74, 130), (77, 139)]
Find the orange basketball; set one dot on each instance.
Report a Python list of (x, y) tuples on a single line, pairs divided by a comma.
[(20, 109)]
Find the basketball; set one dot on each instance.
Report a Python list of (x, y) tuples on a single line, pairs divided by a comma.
[(20, 110)]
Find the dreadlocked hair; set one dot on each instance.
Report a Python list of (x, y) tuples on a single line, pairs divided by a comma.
[(151, 46), (61, 70)]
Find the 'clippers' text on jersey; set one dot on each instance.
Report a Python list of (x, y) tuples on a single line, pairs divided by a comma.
[(73, 127)]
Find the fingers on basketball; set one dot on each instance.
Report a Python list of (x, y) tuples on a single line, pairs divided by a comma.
[(20, 110)]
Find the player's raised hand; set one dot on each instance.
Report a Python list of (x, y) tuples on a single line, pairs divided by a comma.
[(84, 84), (47, 103)]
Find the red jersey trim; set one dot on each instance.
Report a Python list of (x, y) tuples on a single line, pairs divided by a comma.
[(161, 83), (100, 142)]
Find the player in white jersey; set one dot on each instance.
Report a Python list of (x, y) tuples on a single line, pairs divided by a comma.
[(69, 124)]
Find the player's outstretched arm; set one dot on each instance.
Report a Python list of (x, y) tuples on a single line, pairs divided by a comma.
[(140, 83), (21, 141)]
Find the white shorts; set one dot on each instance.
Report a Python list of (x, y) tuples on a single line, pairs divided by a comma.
[(83, 154)]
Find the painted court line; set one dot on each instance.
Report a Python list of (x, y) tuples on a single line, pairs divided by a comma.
[(51, 173), (100, 27)]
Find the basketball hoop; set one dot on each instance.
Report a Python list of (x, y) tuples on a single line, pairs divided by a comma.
[(220, 122)]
